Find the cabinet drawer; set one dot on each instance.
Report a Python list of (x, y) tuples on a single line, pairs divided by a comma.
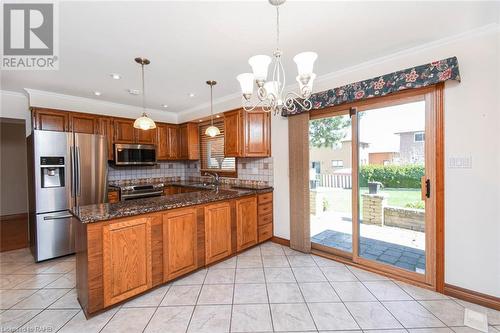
[(265, 219), (266, 208), (266, 197), (265, 232)]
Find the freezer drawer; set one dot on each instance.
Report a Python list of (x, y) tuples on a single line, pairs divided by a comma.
[(55, 235)]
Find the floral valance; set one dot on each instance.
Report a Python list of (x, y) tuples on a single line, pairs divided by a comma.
[(411, 78)]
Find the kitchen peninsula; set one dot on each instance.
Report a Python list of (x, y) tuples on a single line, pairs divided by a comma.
[(128, 247)]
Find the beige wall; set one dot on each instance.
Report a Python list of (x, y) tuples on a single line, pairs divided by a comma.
[(13, 169)]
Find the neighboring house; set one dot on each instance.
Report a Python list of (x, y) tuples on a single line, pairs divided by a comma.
[(328, 160), (412, 147), (384, 158)]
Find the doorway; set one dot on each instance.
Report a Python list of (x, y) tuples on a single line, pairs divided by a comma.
[(374, 200)]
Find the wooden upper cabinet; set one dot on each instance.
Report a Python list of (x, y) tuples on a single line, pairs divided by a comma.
[(173, 141), (145, 136), (217, 232), (124, 130), (247, 134), (167, 142), (257, 134), (179, 242), (246, 223), (50, 120), (233, 131), (189, 142), (126, 254), (105, 127), (83, 123)]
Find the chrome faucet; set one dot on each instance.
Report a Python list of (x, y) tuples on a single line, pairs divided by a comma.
[(215, 177)]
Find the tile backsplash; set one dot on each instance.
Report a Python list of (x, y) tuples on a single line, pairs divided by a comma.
[(162, 169), (249, 169)]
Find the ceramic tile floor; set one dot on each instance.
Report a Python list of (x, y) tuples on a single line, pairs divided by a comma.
[(265, 289)]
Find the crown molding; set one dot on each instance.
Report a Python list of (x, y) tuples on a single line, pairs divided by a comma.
[(13, 93), (44, 98)]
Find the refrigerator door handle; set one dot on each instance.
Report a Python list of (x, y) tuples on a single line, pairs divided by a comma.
[(73, 171), (78, 174), (61, 217)]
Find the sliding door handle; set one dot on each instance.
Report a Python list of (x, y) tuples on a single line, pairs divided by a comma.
[(425, 188)]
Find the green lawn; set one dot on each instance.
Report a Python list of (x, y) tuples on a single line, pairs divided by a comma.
[(340, 199)]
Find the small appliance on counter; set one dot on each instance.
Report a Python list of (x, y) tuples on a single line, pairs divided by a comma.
[(66, 170)]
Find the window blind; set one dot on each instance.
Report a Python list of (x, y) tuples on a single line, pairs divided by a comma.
[(212, 151)]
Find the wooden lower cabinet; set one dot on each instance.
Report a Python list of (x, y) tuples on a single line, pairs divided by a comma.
[(246, 223), (217, 232), (179, 242), (126, 259)]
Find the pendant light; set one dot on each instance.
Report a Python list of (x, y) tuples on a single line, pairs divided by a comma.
[(212, 130), (143, 122)]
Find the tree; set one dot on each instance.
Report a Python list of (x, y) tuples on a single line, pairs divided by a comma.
[(327, 132)]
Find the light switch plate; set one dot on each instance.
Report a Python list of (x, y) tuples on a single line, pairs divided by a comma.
[(460, 162), (476, 320)]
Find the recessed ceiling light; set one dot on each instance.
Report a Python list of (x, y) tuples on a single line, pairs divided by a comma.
[(115, 76), (134, 91), (191, 95), (97, 93), (200, 120), (164, 106), (217, 116)]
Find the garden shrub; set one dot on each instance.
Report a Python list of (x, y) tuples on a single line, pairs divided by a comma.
[(395, 176)]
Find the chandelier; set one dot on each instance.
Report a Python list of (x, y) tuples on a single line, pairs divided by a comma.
[(143, 122), (270, 94)]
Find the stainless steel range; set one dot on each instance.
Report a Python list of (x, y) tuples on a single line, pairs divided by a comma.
[(141, 191)]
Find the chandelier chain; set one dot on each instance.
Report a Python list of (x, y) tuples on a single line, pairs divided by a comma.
[(143, 89), (278, 27)]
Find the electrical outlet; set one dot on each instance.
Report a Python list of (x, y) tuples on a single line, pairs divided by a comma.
[(460, 162), (476, 320)]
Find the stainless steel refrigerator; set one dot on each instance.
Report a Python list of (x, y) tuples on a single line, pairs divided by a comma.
[(66, 170)]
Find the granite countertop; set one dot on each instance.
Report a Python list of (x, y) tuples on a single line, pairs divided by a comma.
[(108, 211)]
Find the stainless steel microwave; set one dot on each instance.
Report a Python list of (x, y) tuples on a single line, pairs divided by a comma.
[(134, 154)]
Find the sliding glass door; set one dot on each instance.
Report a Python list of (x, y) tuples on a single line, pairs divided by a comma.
[(371, 179), (330, 177)]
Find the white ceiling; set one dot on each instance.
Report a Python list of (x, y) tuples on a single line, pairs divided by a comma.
[(189, 42)]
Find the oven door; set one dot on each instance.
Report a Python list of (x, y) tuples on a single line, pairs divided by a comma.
[(131, 154)]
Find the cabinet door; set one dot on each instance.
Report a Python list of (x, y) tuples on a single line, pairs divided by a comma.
[(105, 127), (50, 120), (124, 131), (146, 136), (257, 134), (126, 258), (232, 134), (217, 232), (83, 123), (183, 142), (173, 142), (246, 223), (189, 141), (179, 242), (161, 142)]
